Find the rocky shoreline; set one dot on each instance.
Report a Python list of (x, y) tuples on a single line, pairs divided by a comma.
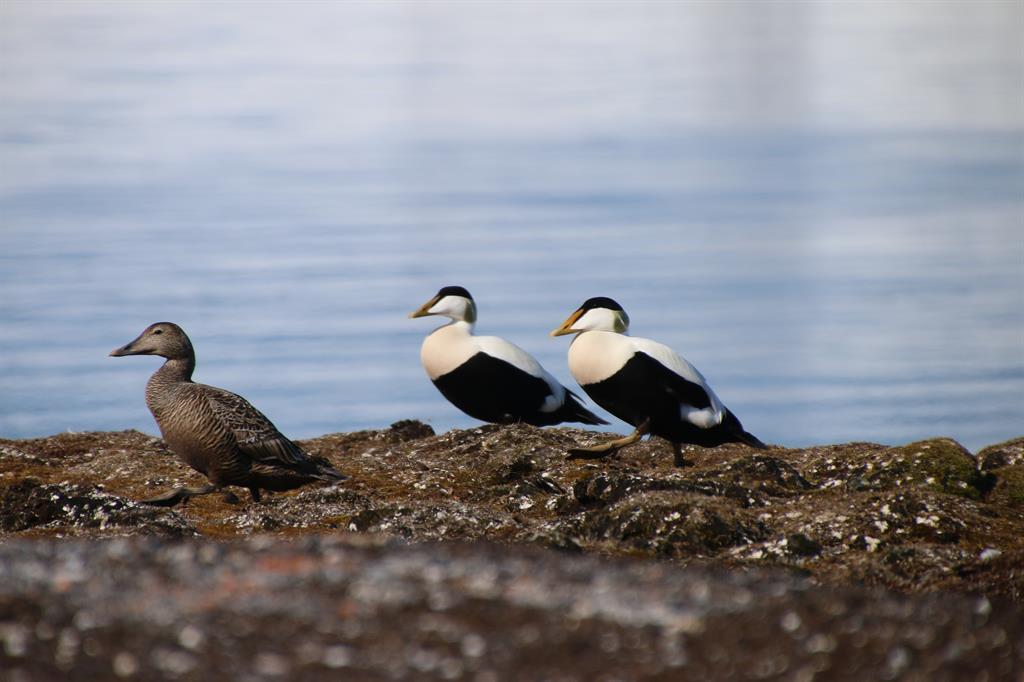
[(852, 561)]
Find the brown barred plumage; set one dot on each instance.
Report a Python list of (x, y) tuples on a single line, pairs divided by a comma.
[(216, 432)]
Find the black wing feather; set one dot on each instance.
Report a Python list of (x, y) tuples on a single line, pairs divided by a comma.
[(686, 391)]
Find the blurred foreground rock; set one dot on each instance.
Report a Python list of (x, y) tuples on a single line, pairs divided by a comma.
[(350, 608), (765, 562)]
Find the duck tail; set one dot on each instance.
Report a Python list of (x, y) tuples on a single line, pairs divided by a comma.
[(325, 471), (741, 435), (752, 440), (576, 412)]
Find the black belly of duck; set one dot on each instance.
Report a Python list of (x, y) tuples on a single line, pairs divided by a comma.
[(645, 389), (496, 391)]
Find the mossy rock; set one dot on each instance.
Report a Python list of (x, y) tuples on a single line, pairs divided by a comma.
[(1009, 485), (771, 475), (940, 464), (671, 524), (606, 488), (1004, 463), (1009, 453)]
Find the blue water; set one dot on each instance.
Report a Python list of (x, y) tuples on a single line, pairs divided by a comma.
[(820, 205)]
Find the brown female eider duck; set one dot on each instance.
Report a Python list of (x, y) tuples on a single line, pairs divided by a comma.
[(217, 433)]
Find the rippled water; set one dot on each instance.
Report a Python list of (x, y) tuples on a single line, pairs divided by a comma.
[(818, 204)]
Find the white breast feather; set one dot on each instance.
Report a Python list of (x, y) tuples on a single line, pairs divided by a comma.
[(446, 348), (596, 355)]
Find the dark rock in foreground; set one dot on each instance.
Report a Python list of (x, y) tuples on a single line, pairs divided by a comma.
[(345, 607)]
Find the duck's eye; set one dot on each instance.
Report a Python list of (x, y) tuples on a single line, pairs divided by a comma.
[(158, 331)]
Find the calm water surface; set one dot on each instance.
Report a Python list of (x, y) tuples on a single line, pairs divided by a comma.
[(818, 204)]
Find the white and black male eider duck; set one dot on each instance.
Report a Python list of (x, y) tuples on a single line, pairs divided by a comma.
[(644, 383), (217, 433), (487, 377)]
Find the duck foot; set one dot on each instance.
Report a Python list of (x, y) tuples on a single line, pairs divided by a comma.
[(596, 452), (178, 496), (605, 449)]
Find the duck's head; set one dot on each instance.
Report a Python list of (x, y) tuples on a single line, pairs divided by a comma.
[(165, 339), (596, 314), (453, 302)]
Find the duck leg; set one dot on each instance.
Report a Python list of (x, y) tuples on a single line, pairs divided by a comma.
[(179, 495), (680, 461), (605, 449)]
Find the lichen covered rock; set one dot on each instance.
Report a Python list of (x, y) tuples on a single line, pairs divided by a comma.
[(914, 518)]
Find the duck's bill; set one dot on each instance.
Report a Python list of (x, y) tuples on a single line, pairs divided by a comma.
[(130, 348), (566, 327), (424, 309)]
